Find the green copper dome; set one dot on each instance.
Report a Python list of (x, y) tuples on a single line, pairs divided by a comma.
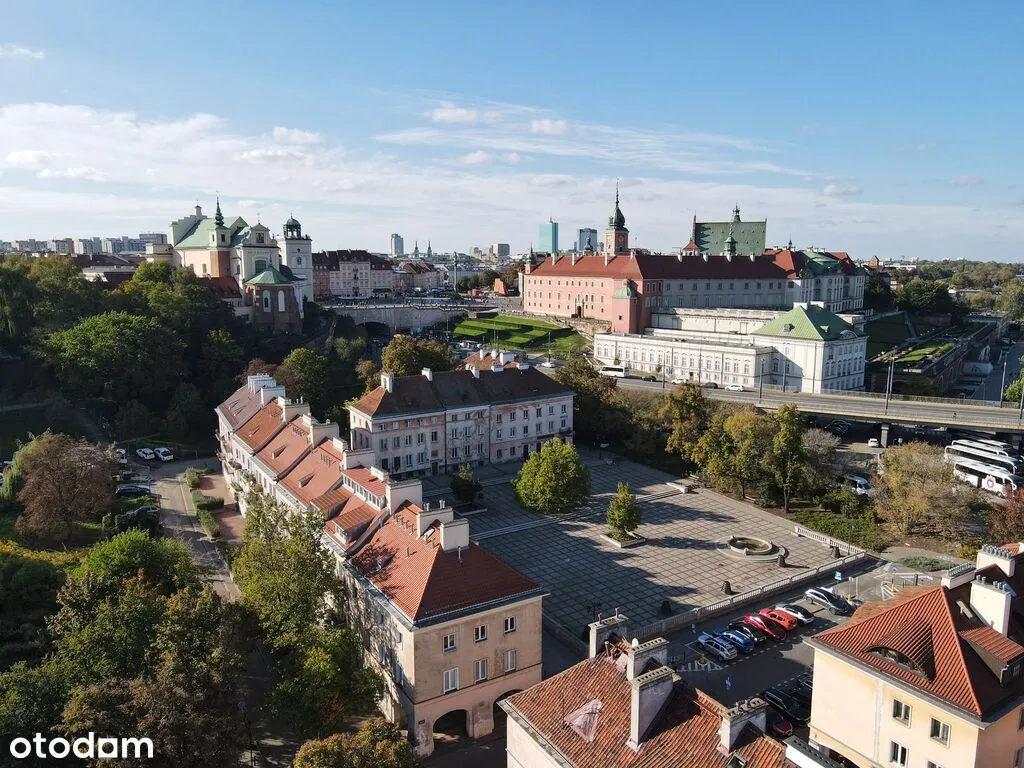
[(291, 222)]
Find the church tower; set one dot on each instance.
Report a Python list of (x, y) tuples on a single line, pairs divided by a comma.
[(297, 253), (616, 236)]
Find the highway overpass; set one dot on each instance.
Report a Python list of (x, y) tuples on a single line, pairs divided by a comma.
[(871, 406)]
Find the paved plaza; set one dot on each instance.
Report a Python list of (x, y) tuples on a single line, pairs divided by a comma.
[(681, 561)]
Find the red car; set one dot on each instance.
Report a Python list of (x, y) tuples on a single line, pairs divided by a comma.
[(786, 621), (779, 727), (769, 627)]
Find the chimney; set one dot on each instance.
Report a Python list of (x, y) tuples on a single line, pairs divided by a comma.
[(650, 692), (494, 354), (507, 357), (574, 258), (270, 394), (753, 256), (607, 257), (957, 575), (602, 629), (319, 431), (991, 601), (753, 710), (474, 370), (290, 409), (387, 380), (454, 534), (199, 210), (993, 555), (552, 259), (439, 514), (522, 366), (705, 255), (639, 655), (397, 492), (427, 374)]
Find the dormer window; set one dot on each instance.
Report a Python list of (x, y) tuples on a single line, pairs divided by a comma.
[(898, 658)]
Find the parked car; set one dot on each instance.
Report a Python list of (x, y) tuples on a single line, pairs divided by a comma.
[(164, 454), (743, 628), (826, 598), (786, 705), (122, 456), (709, 385), (784, 620), (769, 627), (798, 692), (743, 643), (145, 454), (800, 614), (716, 647), (678, 381), (734, 388), (779, 726), (127, 491), (873, 442), (125, 475), (648, 377), (805, 681)]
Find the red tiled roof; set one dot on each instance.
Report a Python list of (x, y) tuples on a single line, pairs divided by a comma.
[(661, 266), (485, 361), (287, 447), (364, 477), (424, 581), (947, 644), (686, 735), (346, 511), (317, 473), (261, 428), (224, 287), (241, 406)]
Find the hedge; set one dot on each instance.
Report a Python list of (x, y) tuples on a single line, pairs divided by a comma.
[(209, 523), (860, 531), (207, 503)]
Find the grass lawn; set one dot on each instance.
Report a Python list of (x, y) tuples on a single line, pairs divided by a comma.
[(66, 558), (927, 352), (507, 331), (887, 332)]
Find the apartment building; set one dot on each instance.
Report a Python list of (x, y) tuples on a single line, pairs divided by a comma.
[(416, 276), (451, 628), (931, 679), (623, 706), (351, 273), (437, 421)]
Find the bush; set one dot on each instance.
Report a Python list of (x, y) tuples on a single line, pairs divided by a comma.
[(209, 523), (861, 531), (464, 486), (206, 503), (192, 475)]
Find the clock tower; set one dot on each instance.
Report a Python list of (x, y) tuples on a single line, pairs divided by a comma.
[(616, 236)]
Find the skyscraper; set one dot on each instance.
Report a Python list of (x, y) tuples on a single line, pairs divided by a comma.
[(397, 246), (501, 250), (548, 237), (587, 238)]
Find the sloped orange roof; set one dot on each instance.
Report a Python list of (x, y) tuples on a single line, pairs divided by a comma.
[(262, 427), (686, 735), (424, 581), (288, 446), (318, 472)]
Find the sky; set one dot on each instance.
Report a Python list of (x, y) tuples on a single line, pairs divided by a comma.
[(877, 128)]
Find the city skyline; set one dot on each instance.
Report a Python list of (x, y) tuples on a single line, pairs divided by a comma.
[(854, 153)]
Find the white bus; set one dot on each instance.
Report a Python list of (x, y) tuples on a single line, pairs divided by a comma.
[(987, 447), (616, 371), (954, 452), (988, 478), (1010, 450)]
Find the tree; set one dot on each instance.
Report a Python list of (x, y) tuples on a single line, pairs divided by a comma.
[(283, 571), (732, 450), (28, 594), (17, 296), (14, 477), (1006, 520), (926, 297), (63, 295), (134, 420), (553, 480), (786, 461), (406, 356), (464, 486), (688, 412), (623, 512), (186, 414), (594, 395), (877, 293), (819, 448), (305, 373), (1011, 299), (221, 358), (368, 374), (918, 493), (31, 700), (1013, 390), (377, 744), (324, 682), (64, 481), (116, 355), (164, 564)]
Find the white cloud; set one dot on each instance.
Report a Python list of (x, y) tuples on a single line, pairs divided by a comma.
[(250, 203), (549, 127), (29, 157), (476, 158), (838, 190), (966, 180), (83, 172), (271, 155), (447, 112), (296, 136), (914, 148), (9, 51), (512, 158)]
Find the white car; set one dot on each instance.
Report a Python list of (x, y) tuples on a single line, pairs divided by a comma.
[(547, 364), (164, 454), (145, 454), (678, 381), (122, 456), (873, 442), (734, 388)]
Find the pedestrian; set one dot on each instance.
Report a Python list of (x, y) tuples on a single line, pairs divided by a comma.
[(728, 684)]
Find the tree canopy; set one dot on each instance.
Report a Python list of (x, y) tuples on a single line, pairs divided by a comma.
[(553, 479), (916, 492), (407, 356), (377, 744), (623, 511)]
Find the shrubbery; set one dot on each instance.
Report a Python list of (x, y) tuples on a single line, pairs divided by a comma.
[(861, 531)]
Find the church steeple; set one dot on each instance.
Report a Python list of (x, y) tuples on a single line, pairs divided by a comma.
[(218, 218), (430, 251), (616, 236), (736, 213)]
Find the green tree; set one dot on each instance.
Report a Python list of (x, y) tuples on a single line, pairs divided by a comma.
[(786, 460), (1012, 392), (14, 477), (186, 414), (65, 481), (406, 356), (377, 744), (116, 355), (31, 700), (733, 449), (368, 374), (63, 295), (926, 297), (305, 373), (164, 564), (688, 412), (134, 420), (915, 492), (877, 293), (1011, 299), (464, 486), (17, 296), (221, 360), (593, 400), (283, 571), (28, 594), (819, 448), (623, 511), (324, 682), (553, 479)]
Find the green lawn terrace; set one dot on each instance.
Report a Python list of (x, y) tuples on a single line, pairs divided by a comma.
[(510, 331)]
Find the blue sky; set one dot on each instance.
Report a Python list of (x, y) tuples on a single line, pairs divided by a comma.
[(866, 128)]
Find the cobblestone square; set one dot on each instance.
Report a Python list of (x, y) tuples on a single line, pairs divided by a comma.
[(681, 560)]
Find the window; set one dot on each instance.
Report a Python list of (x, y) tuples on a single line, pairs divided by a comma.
[(455, 451), (563, 424), (512, 416), (901, 711), (451, 680), (510, 660), (408, 439), (497, 419), (498, 434), (939, 731), (563, 408), (433, 436), (420, 438), (540, 412), (551, 410), (298, 261), (396, 442), (384, 447), (510, 624), (526, 429), (897, 754), (266, 302), (512, 451), (480, 670), (499, 453), (933, 765), (551, 426), (512, 432), (455, 433), (448, 643)]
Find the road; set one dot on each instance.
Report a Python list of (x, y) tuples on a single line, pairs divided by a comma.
[(872, 407), (991, 388)]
